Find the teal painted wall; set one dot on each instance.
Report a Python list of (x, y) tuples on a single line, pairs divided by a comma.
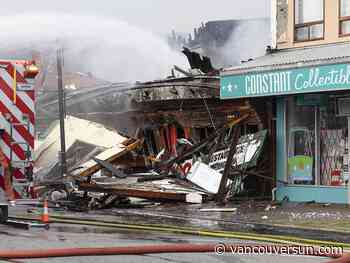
[(319, 194)]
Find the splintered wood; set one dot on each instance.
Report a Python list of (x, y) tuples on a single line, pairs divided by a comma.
[(110, 155), (165, 190)]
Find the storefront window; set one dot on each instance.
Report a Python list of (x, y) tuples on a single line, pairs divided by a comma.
[(301, 143), (317, 140), (334, 149), (309, 19)]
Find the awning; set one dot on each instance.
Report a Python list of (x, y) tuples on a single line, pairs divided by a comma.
[(305, 70)]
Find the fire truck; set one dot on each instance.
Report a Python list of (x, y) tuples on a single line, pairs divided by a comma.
[(17, 122)]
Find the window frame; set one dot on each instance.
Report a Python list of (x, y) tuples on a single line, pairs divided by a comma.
[(341, 20), (308, 25)]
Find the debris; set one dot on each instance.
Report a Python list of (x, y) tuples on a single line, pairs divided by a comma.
[(165, 190), (194, 198), (268, 207), (184, 141), (234, 209), (115, 172), (3, 212), (151, 178), (155, 166), (84, 138), (205, 177), (110, 155), (26, 225), (57, 195)]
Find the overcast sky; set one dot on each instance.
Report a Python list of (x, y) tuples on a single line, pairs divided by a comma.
[(159, 16)]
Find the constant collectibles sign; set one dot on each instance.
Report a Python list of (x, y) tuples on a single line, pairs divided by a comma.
[(293, 81)]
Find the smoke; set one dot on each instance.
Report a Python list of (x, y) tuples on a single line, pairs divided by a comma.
[(248, 41), (109, 49)]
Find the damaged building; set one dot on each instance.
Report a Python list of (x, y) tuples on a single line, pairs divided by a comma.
[(176, 141), (179, 140)]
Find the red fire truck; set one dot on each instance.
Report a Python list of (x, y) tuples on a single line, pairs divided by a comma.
[(17, 122)]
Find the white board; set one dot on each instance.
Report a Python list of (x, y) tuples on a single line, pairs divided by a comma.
[(205, 177)]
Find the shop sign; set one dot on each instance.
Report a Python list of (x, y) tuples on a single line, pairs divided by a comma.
[(247, 152), (283, 82), (218, 160)]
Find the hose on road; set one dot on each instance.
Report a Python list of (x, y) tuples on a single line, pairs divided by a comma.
[(134, 250)]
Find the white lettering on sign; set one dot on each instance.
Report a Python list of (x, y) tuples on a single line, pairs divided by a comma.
[(246, 151), (281, 82), (218, 159), (277, 82), (316, 80)]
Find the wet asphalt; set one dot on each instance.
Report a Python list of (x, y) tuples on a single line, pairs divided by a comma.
[(77, 236)]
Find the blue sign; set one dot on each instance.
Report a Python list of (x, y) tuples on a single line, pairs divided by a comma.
[(282, 82)]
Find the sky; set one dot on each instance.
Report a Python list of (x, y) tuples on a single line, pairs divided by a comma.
[(158, 16), (118, 40)]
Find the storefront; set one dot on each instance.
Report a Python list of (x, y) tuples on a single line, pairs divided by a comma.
[(312, 122)]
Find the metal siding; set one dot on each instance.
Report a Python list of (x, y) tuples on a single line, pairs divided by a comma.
[(294, 58)]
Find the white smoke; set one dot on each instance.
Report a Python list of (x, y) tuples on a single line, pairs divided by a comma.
[(248, 41), (110, 49)]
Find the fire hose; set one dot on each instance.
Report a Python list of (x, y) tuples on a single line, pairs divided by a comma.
[(272, 239), (131, 250)]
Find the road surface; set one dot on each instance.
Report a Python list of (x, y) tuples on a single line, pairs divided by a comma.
[(77, 236)]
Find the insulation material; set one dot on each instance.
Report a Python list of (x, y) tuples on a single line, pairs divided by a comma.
[(77, 130)]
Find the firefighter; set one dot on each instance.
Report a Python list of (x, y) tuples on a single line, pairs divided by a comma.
[(7, 177)]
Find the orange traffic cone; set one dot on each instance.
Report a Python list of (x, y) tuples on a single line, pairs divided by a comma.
[(45, 215)]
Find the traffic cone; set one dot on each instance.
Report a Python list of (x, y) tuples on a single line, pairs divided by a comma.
[(45, 215)]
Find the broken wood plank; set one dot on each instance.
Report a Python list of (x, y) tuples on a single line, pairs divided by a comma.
[(109, 167), (152, 194), (223, 184), (110, 155)]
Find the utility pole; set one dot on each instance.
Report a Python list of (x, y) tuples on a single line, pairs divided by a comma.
[(62, 154)]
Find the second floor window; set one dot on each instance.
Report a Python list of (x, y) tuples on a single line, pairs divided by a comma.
[(344, 25), (309, 20)]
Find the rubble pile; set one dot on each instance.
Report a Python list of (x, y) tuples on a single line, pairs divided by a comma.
[(107, 170)]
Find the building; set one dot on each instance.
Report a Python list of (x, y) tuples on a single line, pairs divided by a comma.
[(218, 40), (306, 75)]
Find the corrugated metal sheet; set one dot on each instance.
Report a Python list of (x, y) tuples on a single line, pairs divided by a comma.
[(326, 54)]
